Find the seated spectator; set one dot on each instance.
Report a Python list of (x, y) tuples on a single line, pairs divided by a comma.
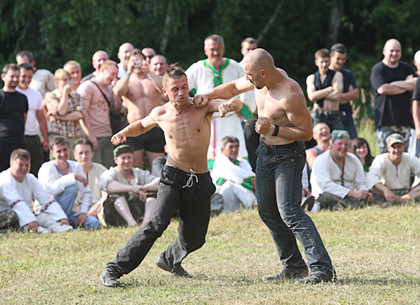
[(360, 147), (127, 202), (65, 180), (389, 174), (19, 189), (233, 176), (337, 178), (83, 153), (64, 109), (322, 136), (75, 70)]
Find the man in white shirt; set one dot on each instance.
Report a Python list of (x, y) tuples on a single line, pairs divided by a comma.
[(20, 188), (338, 179), (64, 179), (389, 174)]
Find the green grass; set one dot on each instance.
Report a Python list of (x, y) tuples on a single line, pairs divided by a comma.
[(376, 253)]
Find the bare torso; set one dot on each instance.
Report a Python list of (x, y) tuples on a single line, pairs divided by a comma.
[(272, 104), (142, 96), (330, 105), (187, 135)]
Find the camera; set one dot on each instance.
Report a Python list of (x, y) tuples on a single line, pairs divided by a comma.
[(137, 63)]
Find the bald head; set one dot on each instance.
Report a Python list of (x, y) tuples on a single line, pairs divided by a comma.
[(259, 59), (392, 52), (98, 58)]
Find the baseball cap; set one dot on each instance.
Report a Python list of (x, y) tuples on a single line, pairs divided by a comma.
[(394, 138), (122, 149)]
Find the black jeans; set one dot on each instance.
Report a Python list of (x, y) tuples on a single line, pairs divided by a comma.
[(193, 202)]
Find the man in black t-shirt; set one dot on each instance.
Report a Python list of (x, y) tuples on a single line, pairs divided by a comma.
[(392, 82), (13, 110)]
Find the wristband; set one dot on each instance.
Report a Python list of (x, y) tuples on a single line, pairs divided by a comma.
[(276, 130)]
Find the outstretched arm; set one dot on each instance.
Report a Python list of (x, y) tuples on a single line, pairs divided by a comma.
[(224, 107)]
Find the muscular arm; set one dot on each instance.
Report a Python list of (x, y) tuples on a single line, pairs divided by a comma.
[(314, 94), (406, 85), (231, 89), (121, 88), (224, 107), (337, 85)]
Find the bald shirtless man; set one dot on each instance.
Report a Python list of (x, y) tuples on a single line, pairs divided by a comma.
[(283, 123), (141, 92), (185, 181)]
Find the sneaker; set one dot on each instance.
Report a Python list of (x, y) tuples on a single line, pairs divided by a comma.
[(289, 273), (175, 270), (316, 278), (109, 278)]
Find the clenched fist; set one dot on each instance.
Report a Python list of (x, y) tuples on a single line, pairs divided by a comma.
[(118, 139), (263, 126)]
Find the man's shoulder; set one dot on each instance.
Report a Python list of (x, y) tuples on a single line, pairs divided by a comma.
[(196, 66), (379, 66), (98, 166)]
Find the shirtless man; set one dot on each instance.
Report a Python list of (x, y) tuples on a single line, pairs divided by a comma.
[(324, 89), (185, 182), (283, 123), (141, 92)]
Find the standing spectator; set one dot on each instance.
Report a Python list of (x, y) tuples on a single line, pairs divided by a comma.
[(98, 99), (98, 58), (65, 180), (416, 105), (247, 45), (392, 82), (127, 202), (20, 188), (75, 70), (389, 174), (42, 80), (148, 53), (123, 55), (64, 110), (337, 177), (350, 92), (360, 147), (13, 111), (324, 88), (206, 74), (35, 118), (234, 177), (158, 65)]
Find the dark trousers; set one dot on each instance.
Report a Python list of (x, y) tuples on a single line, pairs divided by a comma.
[(252, 139), (193, 202)]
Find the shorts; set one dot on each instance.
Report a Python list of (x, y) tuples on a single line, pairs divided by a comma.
[(153, 141)]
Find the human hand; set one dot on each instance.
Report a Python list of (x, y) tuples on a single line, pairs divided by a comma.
[(81, 218), (33, 226), (118, 138), (66, 90), (263, 125), (45, 146), (64, 221), (391, 196), (81, 179), (200, 100), (94, 142)]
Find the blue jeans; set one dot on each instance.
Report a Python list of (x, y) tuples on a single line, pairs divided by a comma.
[(278, 186), (66, 199), (349, 125)]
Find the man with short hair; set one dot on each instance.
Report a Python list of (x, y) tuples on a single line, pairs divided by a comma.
[(83, 153), (350, 92), (284, 124), (158, 65), (234, 177), (42, 79), (98, 58), (35, 118), (98, 99), (123, 55), (13, 111), (185, 182), (127, 186), (389, 174), (65, 180), (20, 188), (392, 82), (338, 179), (322, 135), (141, 91), (75, 70), (206, 74), (324, 88), (248, 44)]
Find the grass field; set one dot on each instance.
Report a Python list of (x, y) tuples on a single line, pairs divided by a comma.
[(376, 253)]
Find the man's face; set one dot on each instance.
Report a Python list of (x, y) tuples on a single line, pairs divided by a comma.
[(11, 78), (19, 168), (338, 60), (158, 65), (124, 161), (255, 77), (83, 154), (60, 152), (322, 63), (177, 90), (124, 53), (392, 52), (340, 148), (98, 59), (25, 78), (149, 53), (214, 50), (248, 47), (108, 75), (321, 132), (231, 150), (75, 72), (395, 152)]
